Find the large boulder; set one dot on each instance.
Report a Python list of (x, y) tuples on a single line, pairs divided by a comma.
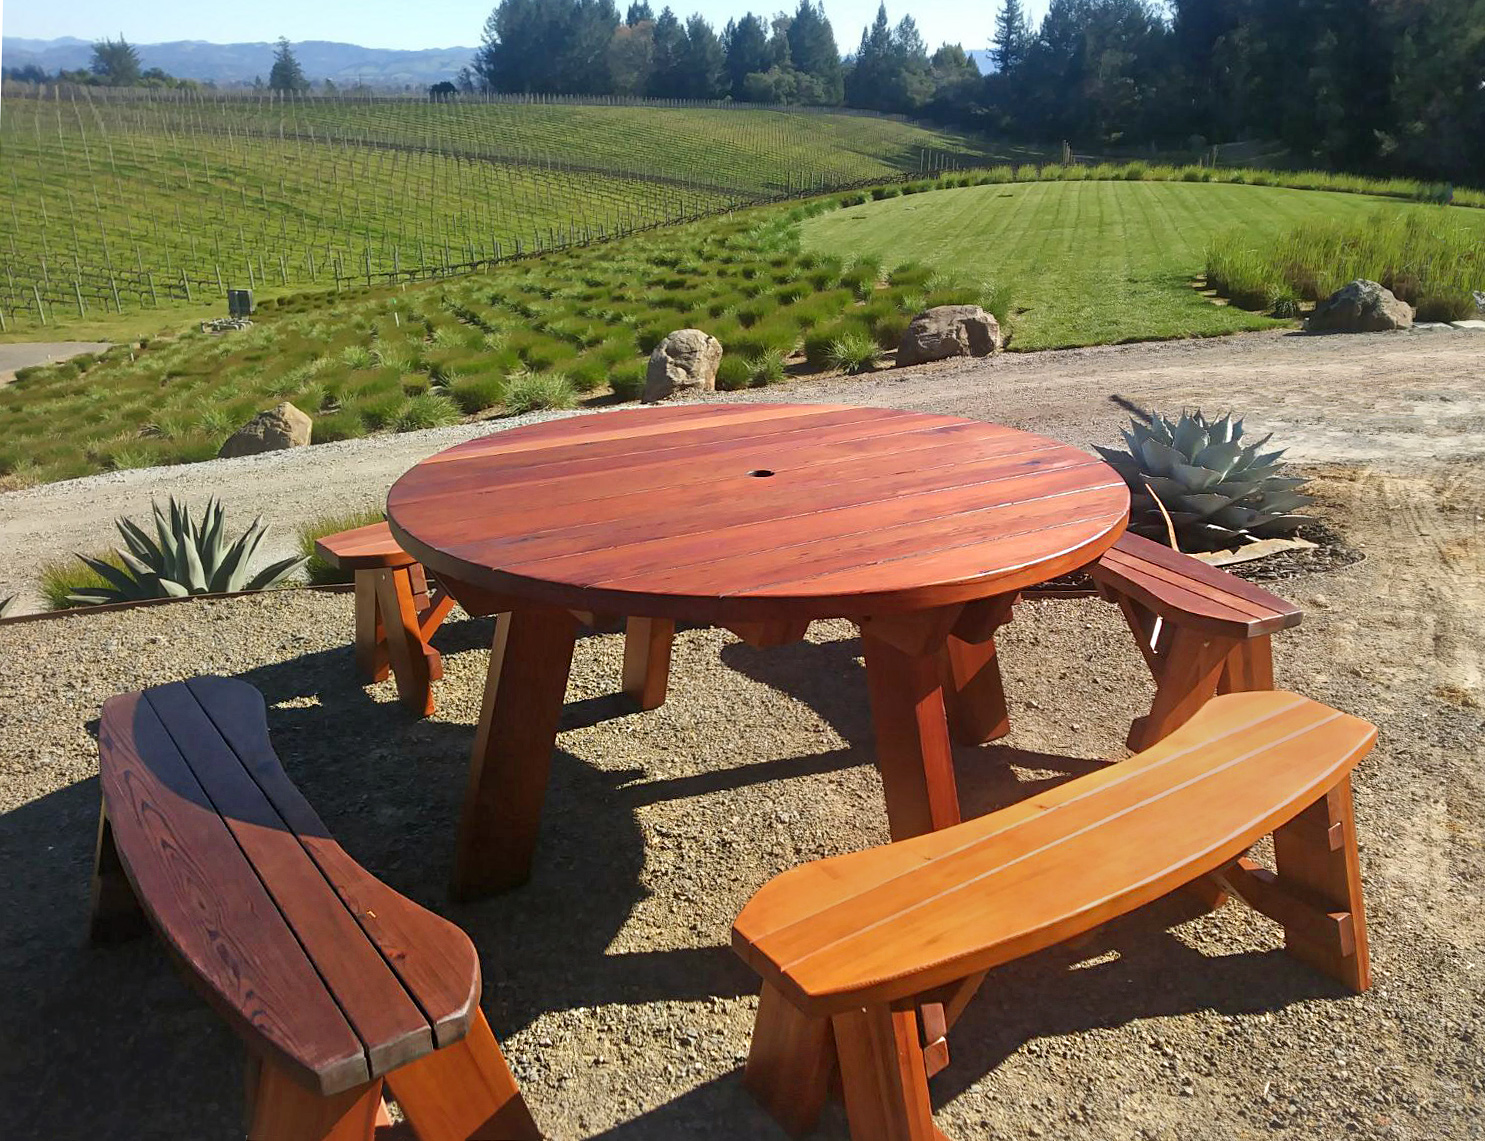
[(949, 331), (688, 358), (271, 431), (1361, 307)]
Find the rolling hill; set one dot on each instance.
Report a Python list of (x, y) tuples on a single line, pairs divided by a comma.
[(345, 64)]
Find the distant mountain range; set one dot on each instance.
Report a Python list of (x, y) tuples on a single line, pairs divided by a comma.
[(241, 63)]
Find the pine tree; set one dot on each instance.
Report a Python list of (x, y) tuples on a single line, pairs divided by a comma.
[(1012, 36), (704, 62), (814, 54), (867, 81), (746, 44), (116, 64), (286, 75), (667, 81), (639, 12)]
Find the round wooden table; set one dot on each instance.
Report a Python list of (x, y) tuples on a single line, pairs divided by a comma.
[(759, 518)]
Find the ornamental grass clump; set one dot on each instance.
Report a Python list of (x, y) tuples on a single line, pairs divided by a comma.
[(853, 353), (534, 391), (1217, 491), (185, 555)]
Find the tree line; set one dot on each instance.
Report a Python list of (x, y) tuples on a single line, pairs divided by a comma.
[(116, 63), (1378, 85), (1374, 85)]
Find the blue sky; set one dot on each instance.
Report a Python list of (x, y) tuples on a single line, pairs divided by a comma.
[(425, 24)]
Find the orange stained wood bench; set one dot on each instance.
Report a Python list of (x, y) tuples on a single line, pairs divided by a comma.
[(338, 985), (1201, 630), (398, 610), (867, 959)]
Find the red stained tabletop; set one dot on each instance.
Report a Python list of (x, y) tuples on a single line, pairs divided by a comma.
[(746, 512)]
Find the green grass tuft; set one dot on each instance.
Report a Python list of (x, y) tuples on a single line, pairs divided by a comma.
[(853, 353), (428, 410), (534, 391), (319, 571), (60, 578)]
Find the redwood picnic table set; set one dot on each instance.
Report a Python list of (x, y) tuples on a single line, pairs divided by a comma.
[(761, 518)]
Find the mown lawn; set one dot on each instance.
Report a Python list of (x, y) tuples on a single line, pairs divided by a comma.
[(1089, 263)]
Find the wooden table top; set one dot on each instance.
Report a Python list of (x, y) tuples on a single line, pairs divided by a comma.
[(747, 512)]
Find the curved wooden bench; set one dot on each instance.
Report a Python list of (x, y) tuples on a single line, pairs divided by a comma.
[(334, 981), (1201, 630), (389, 581), (867, 958)]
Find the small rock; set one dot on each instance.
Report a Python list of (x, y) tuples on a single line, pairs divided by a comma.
[(949, 331), (1360, 307), (270, 431), (687, 358)]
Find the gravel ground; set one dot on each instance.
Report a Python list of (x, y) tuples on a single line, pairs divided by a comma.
[(609, 978)]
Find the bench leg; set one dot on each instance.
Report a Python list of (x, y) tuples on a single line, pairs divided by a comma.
[(405, 647), (464, 1092), (282, 1109), (883, 1076), (1249, 666), (529, 661), (371, 640), (1316, 857), (912, 738), (790, 1063), (974, 695), (647, 660), (1188, 672), (115, 914)]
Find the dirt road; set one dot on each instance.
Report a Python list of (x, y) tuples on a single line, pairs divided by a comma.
[(1395, 401), (24, 355)]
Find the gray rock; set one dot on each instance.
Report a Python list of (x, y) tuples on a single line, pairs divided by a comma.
[(949, 331), (688, 358), (1360, 307), (271, 431)]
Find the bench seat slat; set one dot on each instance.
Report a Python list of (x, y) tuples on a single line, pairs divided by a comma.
[(443, 977), (893, 922), (203, 897), (386, 1020)]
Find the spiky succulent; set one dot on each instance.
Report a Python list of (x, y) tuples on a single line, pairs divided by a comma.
[(6, 604), (1219, 491), (184, 556)]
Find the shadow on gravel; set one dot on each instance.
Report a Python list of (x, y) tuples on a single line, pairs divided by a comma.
[(105, 1043)]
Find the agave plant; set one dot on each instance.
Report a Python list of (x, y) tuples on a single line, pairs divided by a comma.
[(1217, 490), (184, 556)]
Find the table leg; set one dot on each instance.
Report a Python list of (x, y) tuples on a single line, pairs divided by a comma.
[(527, 680), (912, 738), (973, 692)]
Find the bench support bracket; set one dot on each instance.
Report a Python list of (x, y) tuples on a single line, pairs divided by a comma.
[(115, 914)]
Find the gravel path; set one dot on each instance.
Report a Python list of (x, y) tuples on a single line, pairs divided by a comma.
[(1404, 397), (24, 354), (609, 978)]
